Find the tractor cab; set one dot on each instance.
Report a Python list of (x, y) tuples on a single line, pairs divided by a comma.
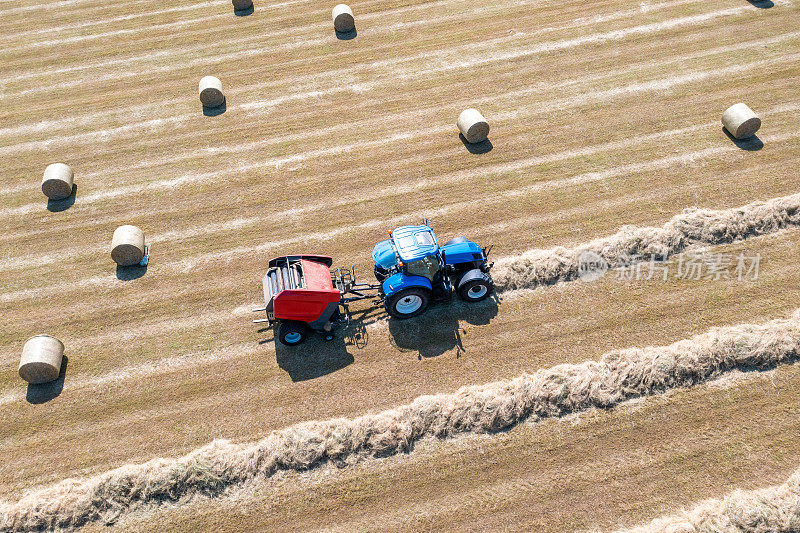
[(413, 269), (413, 250)]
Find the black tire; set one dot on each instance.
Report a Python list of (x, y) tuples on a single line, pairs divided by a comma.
[(475, 286), (457, 240), (292, 333), (403, 297)]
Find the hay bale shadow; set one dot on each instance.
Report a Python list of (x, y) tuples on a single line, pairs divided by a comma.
[(483, 147), (762, 4), (216, 110), (438, 330), (313, 358), (129, 273), (346, 35), (44, 392), (244, 12), (55, 206), (751, 144)]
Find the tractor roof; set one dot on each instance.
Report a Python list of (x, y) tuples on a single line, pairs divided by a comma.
[(414, 242)]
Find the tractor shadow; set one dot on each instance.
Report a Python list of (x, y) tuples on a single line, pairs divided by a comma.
[(56, 206), (44, 392), (751, 144), (762, 4), (244, 12), (483, 147), (439, 330)]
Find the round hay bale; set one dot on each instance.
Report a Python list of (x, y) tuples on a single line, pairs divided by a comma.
[(57, 181), (241, 5), (127, 246), (740, 121), (473, 126), (41, 359), (211, 94), (343, 20)]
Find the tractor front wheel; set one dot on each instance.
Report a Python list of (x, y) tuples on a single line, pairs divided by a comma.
[(475, 286), (292, 333), (408, 303)]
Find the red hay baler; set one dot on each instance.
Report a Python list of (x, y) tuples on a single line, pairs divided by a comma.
[(301, 293)]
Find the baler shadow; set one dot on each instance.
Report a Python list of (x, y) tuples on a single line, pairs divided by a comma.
[(37, 394), (438, 330), (55, 206), (751, 144), (762, 4), (313, 358), (244, 12), (346, 35), (483, 147)]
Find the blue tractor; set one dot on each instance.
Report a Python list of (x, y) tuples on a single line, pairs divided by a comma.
[(413, 270)]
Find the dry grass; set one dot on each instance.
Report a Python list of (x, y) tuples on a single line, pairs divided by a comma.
[(602, 116)]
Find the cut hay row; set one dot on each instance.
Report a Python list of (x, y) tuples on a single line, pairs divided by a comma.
[(773, 509), (438, 61), (211, 470), (694, 226), (508, 270)]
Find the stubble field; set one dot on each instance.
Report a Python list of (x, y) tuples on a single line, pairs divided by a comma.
[(603, 114)]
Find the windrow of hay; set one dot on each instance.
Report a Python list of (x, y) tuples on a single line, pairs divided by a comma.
[(553, 392), (769, 510), (694, 226)]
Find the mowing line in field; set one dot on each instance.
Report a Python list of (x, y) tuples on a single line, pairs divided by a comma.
[(58, 5), (190, 263), (390, 66), (226, 57), (616, 377), (323, 23), (574, 101), (17, 263), (148, 368), (321, 27), (87, 24), (296, 137)]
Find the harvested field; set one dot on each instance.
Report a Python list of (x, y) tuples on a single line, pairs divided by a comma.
[(603, 115)]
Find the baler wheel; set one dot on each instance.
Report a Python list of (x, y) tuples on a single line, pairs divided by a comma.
[(292, 333)]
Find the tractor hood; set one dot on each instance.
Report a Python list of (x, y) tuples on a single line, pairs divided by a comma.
[(384, 255), (414, 242)]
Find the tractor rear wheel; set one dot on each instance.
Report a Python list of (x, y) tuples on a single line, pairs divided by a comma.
[(408, 302), (292, 333), (475, 286)]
